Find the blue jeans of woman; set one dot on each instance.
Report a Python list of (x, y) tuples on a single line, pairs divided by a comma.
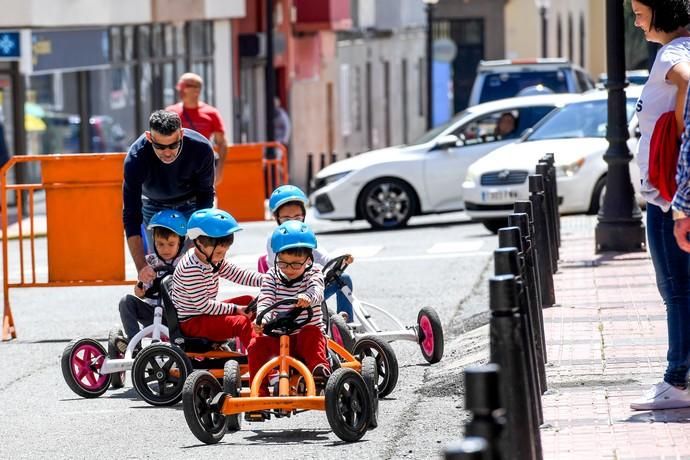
[(343, 304), (150, 207), (672, 267)]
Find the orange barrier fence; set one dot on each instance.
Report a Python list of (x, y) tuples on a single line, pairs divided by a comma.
[(78, 186)]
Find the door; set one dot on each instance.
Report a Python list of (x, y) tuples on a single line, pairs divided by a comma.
[(468, 35)]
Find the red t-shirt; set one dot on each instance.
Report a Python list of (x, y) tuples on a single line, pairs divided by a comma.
[(204, 119)]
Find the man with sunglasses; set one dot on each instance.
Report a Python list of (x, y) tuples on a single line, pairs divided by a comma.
[(168, 167), (200, 116)]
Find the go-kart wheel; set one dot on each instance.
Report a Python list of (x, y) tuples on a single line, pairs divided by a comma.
[(159, 373), (386, 361), (430, 334), (370, 376), (199, 390), (348, 406), (341, 333), (232, 385), (81, 362), (117, 380)]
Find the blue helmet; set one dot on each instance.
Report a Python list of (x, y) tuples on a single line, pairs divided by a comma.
[(292, 234), (214, 223), (170, 219), (286, 194)]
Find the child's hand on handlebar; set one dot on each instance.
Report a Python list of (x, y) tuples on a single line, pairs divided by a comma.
[(139, 290), (258, 328), (349, 259), (302, 301), (146, 274)]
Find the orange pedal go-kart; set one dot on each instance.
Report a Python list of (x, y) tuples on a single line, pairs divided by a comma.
[(350, 398)]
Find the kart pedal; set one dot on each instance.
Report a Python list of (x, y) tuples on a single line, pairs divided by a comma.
[(217, 402), (257, 416)]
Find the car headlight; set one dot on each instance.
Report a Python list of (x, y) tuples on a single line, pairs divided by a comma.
[(319, 182), (470, 179), (569, 170)]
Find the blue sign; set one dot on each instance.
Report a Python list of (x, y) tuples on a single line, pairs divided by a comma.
[(9, 46)]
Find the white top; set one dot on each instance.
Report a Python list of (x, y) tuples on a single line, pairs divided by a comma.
[(658, 97)]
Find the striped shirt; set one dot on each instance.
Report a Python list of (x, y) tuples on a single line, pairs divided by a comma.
[(273, 290), (681, 200), (195, 286)]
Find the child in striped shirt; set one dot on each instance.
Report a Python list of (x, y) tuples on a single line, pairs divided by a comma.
[(196, 278), (293, 276)]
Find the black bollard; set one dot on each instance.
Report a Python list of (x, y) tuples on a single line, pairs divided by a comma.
[(310, 171), (549, 172), (541, 239), (549, 158), (521, 220), (507, 262), (520, 440), (543, 170), (472, 448), (482, 399)]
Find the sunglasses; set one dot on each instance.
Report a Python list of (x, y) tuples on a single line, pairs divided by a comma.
[(173, 146)]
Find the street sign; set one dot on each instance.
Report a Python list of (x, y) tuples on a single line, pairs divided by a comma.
[(10, 49)]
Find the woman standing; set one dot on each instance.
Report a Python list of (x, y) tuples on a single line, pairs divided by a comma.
[(663, 22)]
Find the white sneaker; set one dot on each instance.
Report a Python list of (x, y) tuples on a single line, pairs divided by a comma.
[(662, 396)]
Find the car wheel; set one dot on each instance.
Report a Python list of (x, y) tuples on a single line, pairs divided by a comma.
[(493, 225), (387, 203), (598, 196)]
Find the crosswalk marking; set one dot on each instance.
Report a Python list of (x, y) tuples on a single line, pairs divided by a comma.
[(455, 246), (357, 251)]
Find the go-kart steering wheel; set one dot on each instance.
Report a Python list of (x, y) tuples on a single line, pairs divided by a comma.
[(285, 322), (334, 268)]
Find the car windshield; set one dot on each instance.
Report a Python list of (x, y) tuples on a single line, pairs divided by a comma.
[(508, 84), (582, 119), (432, 134)]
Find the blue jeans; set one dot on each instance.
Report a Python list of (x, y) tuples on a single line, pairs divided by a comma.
[(150, 207), (343, 304), (672, 267)]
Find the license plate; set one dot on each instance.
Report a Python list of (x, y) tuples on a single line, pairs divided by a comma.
[(499, 195)]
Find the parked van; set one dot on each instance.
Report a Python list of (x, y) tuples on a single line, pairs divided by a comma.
[(519, 77)]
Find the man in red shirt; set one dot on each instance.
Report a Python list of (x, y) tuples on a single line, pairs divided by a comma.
[(201, 117)]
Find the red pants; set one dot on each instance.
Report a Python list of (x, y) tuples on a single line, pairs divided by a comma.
[(308, 345), (219, 328)]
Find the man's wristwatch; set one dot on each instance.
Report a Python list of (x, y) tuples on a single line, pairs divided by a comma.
[(677, 214)]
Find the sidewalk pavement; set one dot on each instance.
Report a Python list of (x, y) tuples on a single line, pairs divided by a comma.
[(606, 344)]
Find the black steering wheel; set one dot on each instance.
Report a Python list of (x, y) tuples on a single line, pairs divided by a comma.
[(333, 269), (285, 322)]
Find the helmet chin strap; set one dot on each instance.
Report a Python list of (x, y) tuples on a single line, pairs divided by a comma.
[(216, 267), (179, 251)]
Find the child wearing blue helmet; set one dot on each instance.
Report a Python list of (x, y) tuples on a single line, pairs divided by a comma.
[(169, 228), (196, 279), (287, 203), (294, 274)]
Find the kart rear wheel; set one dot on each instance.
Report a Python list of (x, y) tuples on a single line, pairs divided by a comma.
[(340, 332), (348, 407), (386, 361), (159, 373), (430, 334), (199, 390), (117, 380), (232, 385), (370, 376), (81, 363)]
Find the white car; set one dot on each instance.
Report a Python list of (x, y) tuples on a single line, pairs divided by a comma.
[(576, 135), (386, 187)]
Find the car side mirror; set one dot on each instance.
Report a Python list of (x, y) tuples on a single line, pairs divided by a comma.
[(448, 142), (526, 133)]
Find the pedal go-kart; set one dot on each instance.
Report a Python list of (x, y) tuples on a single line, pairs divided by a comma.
[(159, 370), (428, 332), (350, 398)]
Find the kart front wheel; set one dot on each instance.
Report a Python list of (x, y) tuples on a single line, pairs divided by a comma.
[(206, 424), (159, 373), (81, 364), (386, 361), (348, 406), (118, 378), (430, 334), (232, 385), (370, 376)]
